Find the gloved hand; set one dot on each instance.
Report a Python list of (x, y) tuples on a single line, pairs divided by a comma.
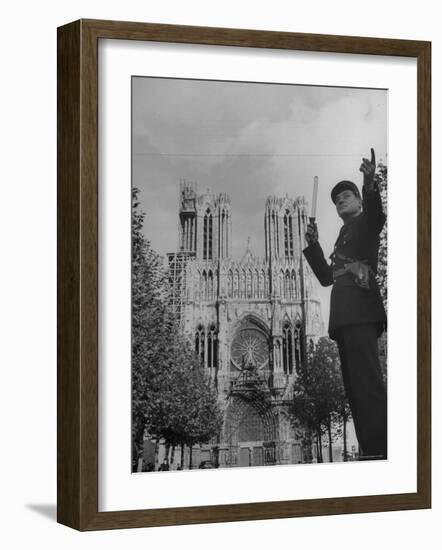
[(312, 233)]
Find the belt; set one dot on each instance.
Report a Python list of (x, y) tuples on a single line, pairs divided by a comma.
[(359, 270), (339, 272)]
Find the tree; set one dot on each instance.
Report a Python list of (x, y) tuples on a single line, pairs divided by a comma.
[(187, 412), (171, 397), (319, 396), (148, 313), (382, 275), (382, 181)]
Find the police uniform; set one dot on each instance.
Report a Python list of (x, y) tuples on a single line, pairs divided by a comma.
[(357, 315)]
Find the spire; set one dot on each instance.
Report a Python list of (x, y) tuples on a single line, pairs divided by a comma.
[(248, 254)]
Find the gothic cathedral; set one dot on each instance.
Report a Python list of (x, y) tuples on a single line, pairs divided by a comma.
[(250, 321)]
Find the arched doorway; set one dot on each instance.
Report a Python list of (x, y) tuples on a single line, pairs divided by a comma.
[(249, 431)]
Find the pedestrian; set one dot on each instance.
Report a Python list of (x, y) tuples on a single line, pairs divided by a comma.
[(357, 315), (164, 467)]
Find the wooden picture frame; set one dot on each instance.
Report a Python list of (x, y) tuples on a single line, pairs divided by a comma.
[(77, 461)]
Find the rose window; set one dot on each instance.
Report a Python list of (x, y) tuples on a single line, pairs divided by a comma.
[(250, 346)]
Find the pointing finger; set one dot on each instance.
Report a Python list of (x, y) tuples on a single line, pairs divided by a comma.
[(373, 157)]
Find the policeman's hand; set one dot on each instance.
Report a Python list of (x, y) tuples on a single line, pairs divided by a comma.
[(368, 168), (312, 233)]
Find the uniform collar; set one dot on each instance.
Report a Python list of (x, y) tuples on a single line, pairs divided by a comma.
[(352, 220)]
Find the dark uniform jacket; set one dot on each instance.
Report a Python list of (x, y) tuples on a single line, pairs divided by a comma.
[(358, 239)]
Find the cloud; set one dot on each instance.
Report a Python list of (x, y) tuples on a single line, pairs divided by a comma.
[(251, 141)]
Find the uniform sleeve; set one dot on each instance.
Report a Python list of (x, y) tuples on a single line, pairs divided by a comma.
[(315, 258), (372, 208)]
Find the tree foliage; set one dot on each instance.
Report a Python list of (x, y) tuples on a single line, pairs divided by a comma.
[(319, 400), (171, 397), (382, 181), (188, 411), (382, 275)]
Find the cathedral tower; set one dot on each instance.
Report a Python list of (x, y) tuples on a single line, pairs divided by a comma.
[(284, 228), (187, 217), (214, 226)]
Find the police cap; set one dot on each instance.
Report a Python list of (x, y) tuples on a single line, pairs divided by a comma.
[(343, 186)]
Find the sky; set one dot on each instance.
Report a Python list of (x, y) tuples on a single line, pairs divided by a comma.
[(249, 140)]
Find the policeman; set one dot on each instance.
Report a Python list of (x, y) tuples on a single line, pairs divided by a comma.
[(357, 315)]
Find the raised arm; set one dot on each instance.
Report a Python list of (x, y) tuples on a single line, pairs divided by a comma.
[(371, 197)]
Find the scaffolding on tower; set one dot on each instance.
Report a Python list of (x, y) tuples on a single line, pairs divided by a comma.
[(177, 263)]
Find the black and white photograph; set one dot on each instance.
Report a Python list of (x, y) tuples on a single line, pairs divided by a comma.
[(259, 274)]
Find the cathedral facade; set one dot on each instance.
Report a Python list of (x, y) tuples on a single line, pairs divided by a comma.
[(250, 321)]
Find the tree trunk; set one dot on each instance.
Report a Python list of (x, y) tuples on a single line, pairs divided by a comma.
[(307, 448), (172, 454), (137, 448), (320, 458), (167, 453), (190, 457), (344, 422), (330, 447), (182, 456), (157, 452)]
